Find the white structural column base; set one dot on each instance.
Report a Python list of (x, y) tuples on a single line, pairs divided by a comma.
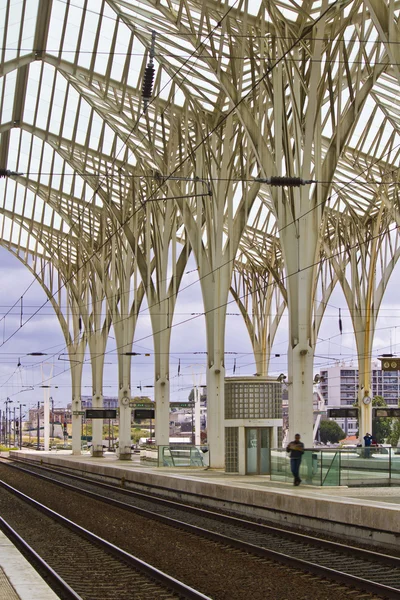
[(97, 427), (124, 448), (364, 415), (76, 432), (301, 418), (161, 395), (216, 416)]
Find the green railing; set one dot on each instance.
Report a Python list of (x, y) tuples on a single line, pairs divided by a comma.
[(356, 467), (180, 455)]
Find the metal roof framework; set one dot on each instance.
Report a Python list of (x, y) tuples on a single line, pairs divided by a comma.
[(113, 198)]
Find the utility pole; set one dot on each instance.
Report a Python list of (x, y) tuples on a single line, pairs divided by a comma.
[(7, 437), (52, 417), (20, 425), (14, 426)]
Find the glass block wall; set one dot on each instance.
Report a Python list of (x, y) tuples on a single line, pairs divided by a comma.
[(252, 398), (280, 437), (231, 449)]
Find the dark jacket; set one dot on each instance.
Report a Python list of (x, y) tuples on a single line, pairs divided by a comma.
[(296, 449)]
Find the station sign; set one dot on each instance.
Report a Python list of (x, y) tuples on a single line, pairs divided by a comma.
[(101, 413), (343, 413), (133, 404), (386, 412), (142, 413), (181, 404), (352, 413), (76, 413)]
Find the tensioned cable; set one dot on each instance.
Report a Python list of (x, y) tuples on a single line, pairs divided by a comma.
[(226, 56)]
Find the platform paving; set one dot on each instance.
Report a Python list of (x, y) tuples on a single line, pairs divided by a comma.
[(18, 579)]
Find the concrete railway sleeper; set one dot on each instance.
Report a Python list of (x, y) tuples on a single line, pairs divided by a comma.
[(372, 572)]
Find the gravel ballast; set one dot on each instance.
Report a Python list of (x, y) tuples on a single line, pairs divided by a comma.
[(217, 571)]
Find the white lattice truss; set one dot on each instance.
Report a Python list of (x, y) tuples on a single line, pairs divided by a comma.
[(112, 199)]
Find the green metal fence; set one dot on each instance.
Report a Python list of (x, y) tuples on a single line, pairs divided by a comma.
[(356, 467)]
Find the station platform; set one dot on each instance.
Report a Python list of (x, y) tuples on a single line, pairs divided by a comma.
[(18, 579), (369, 514)]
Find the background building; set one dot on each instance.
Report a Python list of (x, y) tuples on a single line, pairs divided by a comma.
[(339, 388)]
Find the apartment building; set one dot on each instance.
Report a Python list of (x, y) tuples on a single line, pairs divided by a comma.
[(339, 388)]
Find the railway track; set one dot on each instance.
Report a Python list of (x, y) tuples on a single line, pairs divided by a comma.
[(81, 565), (371, 572)]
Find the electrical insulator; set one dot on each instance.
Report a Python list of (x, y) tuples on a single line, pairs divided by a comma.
[(8, 173), (148, 79), (284, 181)]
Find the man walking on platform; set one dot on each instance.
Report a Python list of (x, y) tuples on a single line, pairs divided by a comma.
[(296, 449)]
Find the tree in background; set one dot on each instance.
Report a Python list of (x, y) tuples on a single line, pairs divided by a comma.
[(382, 427), (394, 436), (330, 431)]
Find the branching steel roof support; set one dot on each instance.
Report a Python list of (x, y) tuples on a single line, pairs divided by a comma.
[(161, 278), (215, 242), (260, 302), (369, 253)]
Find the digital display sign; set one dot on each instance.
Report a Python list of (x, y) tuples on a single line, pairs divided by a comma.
[(101, 413)]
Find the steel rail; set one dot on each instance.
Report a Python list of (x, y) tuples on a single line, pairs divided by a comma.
[(386, 559), (161, 499), (317, 569), (167, 581), (45, 570)]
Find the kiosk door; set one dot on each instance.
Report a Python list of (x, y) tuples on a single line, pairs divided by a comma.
[(257, 450)]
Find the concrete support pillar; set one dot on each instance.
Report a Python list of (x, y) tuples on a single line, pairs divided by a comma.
[(216, 415), (301, 245), (197, 415), (242, 450), (97, 424), (364, 348), (161, 396), (162, 335), (76, 434), (274, 437), (76, 406), (301, 418), (125, 413)]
